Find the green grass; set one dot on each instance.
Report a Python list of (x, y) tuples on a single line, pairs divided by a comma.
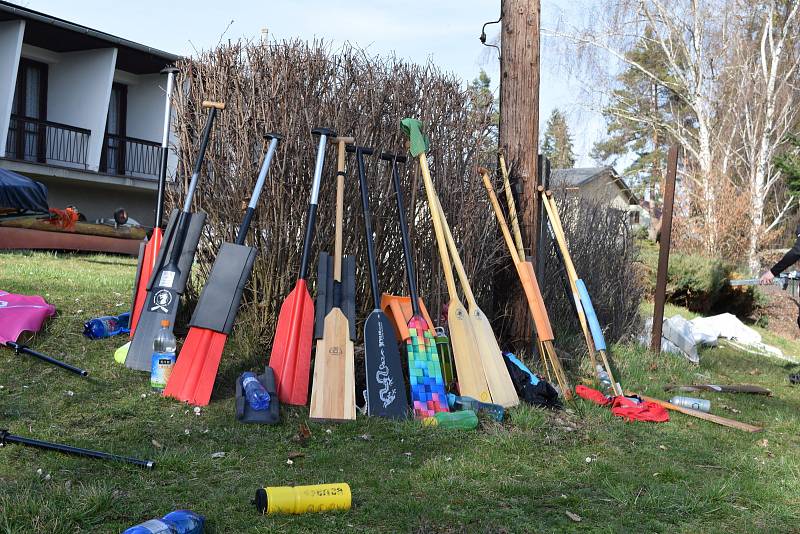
[(522, 476)]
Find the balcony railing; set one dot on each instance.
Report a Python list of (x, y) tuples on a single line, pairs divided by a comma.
[(46, 142), (130, 156)]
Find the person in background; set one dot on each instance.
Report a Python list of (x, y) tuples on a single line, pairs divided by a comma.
[(786, 261)]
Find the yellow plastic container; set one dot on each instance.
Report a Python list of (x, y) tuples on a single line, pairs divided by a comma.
[(303, 499)]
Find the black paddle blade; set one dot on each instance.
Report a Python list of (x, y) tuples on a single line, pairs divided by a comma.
[(386, 388)]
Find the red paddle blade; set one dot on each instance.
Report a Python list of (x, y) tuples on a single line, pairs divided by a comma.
[(195, 372), (291, 350), (150, 253)]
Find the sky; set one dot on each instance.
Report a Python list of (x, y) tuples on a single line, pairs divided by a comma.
[(443, 31)]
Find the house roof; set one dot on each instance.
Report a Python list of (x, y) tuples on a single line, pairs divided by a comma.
[(578, 177), (60, 35)]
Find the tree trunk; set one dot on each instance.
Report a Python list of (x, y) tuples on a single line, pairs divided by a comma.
[(519, 124)]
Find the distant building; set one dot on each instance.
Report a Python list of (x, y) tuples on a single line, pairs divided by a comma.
[(81, 111), (604, 185)]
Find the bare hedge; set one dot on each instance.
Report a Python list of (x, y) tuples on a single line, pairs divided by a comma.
[(290, 87)]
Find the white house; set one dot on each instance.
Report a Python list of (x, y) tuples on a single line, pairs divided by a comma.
[(81, 111), (604, 185)]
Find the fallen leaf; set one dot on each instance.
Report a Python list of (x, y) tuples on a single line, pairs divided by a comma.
[(218, 455), (574, 517), (365, 437), (662, 447), (763, 442), (289, 462), (156, 444), (303, 434), (294, 454)]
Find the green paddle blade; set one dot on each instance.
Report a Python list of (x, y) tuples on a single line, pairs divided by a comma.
[(419, 141)]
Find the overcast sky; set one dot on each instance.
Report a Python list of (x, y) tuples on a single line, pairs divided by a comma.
[(444, 31)]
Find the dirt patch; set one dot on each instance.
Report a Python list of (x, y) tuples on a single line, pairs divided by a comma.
[(782, 311)]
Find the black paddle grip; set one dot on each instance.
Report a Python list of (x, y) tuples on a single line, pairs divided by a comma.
[(388, 156), (363, 149)]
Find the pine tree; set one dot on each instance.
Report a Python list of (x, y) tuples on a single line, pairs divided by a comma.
[(557, 142)]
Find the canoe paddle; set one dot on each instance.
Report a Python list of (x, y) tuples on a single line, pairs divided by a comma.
[(533, 294), (426, 380), (291, 349), (466, 352), (583, 302), (149, 250), (333, 391), (499, 381), (386, 388), (195, 372), (169, 280)]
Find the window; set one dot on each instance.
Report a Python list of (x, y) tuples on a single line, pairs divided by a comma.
[(113, 157), (27, 134)]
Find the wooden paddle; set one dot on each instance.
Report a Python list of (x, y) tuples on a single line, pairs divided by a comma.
[(583, 303), (512, 206), (333, 389), (469, 368), (499, 381), (294, 334), (530, 285), (702, 415)]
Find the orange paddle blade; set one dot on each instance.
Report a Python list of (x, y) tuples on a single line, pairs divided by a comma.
[(400, 312), (150, 253), (193, 377), (291, 350)]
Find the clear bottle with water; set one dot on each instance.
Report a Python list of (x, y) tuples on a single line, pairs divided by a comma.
[(605, 381), (257, 397), (177, 522), (163, 359)]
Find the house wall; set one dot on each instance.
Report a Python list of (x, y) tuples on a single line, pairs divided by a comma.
[(79, 88), (11, 34)]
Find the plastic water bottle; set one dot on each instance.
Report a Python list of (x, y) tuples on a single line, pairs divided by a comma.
[(605, 381), (163, 359), (177, 522), (106, 326), (495, 411), (257, 397), (701, 405)]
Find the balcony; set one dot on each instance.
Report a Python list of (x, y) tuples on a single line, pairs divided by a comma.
[(47, 142), (128, 156)]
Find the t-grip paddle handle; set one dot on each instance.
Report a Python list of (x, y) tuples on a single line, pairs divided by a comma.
[(324, 134), (412, 282), (362, 180), (273, 139)]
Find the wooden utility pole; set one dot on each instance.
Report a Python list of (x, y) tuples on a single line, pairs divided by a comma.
[(519, 122)]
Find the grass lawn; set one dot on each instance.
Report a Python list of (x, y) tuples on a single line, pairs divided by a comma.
[(686, 475)]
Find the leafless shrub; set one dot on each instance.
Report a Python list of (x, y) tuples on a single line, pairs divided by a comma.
[(291, 87)]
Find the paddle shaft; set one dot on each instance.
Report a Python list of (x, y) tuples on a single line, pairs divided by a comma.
[(311, 216), (362, 181), (724, 421), (341, 156), (412, 280), (512, 207), (22, 349), (456, 258), (6, 437), (162, 169), (181, 225), (262, 177)]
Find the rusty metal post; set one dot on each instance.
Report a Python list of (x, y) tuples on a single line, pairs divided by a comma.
[(663, 252)]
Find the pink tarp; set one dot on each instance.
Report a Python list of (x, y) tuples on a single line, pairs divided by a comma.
[(22, 312)]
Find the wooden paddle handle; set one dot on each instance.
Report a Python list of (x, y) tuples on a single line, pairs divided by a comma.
[(501, 220), (512, 207), (211, 104), (456, 258), (437, 227), (705, 416), (342, 143)]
